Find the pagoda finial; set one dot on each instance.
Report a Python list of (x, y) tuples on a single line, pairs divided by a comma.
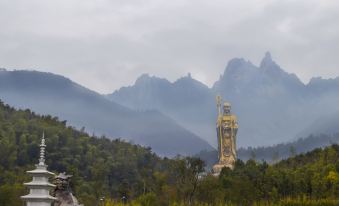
[(42, 150)]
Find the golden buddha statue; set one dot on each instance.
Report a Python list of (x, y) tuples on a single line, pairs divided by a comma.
[(227, 128)]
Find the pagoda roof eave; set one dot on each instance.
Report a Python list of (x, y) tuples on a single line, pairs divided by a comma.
[(37, 184), (39, 171), (38, 197)]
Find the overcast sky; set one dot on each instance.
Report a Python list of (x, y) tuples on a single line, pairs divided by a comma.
[(106, 44)]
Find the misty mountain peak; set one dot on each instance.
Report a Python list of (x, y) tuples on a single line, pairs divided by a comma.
[(238, 65), (273, 70), (268, 56), (146, 79), (189, 75), (143, 78), (187, 82), (238, 71), (267, 61)]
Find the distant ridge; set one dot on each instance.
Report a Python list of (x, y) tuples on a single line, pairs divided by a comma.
[(46, 93), (277, 152)]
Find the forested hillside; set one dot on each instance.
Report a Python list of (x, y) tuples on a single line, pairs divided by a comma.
[(306, 179), (100, 166), (113, 168)]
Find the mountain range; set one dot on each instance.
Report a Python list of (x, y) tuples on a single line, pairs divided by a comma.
[(178, 117), (55, 95), (272, 106)]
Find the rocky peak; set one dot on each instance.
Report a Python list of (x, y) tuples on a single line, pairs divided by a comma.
[(189, 75), (238, 71), (267, 61), (238, 66), (146, 79), (143, 78), (187, 82), (272, 69), (274, 74)]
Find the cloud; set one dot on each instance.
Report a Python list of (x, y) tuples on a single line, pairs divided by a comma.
[(107, 44)]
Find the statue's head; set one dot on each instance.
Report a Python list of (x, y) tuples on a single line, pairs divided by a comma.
[(227, 108), (62, 181)]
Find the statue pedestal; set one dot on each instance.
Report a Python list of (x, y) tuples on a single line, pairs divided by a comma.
[(218, 167)]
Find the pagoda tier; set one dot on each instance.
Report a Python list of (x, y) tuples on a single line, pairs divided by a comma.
[(39, 187)]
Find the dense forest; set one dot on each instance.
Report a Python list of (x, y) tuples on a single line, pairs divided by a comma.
[(113, 168)]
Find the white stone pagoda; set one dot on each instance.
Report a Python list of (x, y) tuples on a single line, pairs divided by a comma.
[(39, 187)]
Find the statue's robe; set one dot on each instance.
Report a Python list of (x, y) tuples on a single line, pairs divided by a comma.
[(227, 128)]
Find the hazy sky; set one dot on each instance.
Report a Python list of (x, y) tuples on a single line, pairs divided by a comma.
[(106, 44)]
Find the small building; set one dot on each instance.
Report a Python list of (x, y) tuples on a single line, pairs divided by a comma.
[(39, 187)]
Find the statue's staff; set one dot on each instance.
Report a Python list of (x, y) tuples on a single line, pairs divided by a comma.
[(219, 127)]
